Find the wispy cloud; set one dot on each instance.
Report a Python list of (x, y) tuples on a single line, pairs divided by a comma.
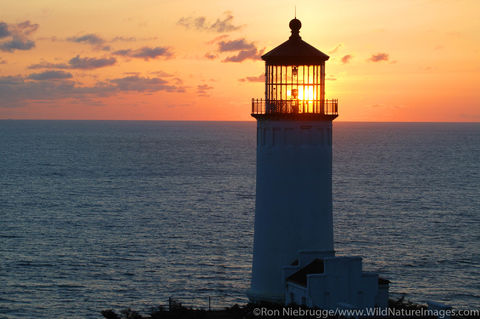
[(26, 27), (161, 73), (4, 30), (124, 39), (235, 45), (334, 50), (91, 39), (17, 44), (346, 58), (77, 63), (379, 57), (146, 53), (260, 78), (90, 63), (245, 50), (210, 56), (243, 55), (217, 39), (203, 89), (221, 25), (50, 75), (143, 84), (16, 36), (16, 91)]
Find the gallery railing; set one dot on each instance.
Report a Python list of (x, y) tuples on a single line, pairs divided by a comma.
[(325, 107)]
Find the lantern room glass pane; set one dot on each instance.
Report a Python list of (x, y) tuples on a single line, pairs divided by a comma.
[(295, 88)]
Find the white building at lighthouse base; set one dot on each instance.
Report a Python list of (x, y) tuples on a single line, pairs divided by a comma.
[(328, 282)]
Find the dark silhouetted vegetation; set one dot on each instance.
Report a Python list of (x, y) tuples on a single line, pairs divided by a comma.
[(235, 312)]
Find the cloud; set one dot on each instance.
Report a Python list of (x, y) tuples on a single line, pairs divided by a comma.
[(4, 30), (253, 54), (124, 39), (17, 44), (201, 23), (90, 63), (52, 39), (203, 89), (16, 36), (346, 58), (161, 73), (216, 39), (142, 84), (235, 45), (91, 39), (50, 75), (245, 50), (26, 27), (335, 49), (10, 80), (100, 43), (224, 25), (260, 78), (378, 57), (48, 65), (146, 53), (77, 63), (16, 91), (210, 56)]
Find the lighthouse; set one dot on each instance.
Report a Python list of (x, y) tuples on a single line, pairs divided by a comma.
[(293, 254)]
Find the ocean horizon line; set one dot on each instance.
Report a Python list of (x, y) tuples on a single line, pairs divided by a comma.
[(233, 121)]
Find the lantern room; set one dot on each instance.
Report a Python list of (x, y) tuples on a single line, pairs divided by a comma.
[(295, 82)]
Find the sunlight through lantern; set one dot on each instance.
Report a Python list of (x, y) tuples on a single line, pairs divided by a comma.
[(295, 81)]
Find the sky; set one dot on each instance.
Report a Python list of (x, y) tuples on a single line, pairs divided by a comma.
[(409, 60)]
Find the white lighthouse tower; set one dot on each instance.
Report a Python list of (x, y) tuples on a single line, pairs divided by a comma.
[(293, 240)]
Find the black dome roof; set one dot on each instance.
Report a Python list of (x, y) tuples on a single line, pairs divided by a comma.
[(295, 50)]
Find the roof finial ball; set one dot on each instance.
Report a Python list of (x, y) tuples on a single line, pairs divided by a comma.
[(295, 26)]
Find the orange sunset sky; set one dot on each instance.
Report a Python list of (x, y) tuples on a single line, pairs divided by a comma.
[(410, 60)]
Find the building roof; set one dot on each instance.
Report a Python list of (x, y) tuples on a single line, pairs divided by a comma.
[(300, 277), (295, 51)]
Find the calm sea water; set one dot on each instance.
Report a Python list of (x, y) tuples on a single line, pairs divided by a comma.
[(97, 215)]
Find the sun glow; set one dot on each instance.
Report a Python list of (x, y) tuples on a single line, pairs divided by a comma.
[(302, 93), (415, 70)]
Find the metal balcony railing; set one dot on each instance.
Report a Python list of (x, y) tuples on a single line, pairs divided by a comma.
[(323, 107)]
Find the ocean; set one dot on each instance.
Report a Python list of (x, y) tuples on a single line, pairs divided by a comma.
[(99, 215)]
